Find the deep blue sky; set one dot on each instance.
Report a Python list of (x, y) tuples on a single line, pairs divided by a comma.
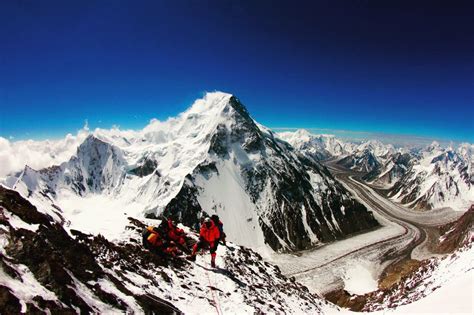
[(383, 66)]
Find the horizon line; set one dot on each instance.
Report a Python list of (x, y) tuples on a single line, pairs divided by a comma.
[(345, 134)]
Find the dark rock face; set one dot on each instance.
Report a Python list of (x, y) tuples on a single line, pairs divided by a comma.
[(399, 164), (185, 207), (146, 167), (58, 261), (410, 189), (9, 304), (454, 235)]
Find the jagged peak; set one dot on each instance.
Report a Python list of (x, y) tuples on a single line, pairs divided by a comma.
[(91, 141), (214, 104), (93, 138)]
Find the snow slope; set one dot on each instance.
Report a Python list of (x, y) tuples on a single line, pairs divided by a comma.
[(432, 285)]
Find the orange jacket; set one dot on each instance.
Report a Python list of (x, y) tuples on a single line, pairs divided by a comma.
[(210, 234), (154, 238)]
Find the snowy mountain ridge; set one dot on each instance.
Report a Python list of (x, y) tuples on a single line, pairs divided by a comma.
[(212, 158), (437, 178), (318, 146), (425, 178)]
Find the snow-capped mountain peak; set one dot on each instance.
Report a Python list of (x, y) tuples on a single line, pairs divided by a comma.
[(212, 158)]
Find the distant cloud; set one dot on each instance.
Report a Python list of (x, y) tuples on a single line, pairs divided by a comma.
[(14, 155)]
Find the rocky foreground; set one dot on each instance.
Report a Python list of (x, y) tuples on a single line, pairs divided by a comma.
[(47, 269)]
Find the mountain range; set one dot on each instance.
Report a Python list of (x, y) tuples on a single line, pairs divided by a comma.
[(70, 227), (419, 178), (211, 159)]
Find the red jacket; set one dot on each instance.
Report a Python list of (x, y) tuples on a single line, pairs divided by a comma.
[(174, 233), (210, 234)]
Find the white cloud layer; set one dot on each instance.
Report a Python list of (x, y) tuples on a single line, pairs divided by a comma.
[(14, 155)]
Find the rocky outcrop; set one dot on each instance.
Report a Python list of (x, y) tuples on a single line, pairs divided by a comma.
[(364, 161), (391, 171), (70, 272), (454, 235), (62, 264)]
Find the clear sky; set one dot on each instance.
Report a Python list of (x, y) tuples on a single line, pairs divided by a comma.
[(380, 66)]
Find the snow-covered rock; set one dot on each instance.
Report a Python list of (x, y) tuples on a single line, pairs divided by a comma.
[(437, 178), (46, 269), (422, 286), (320, 147), (391, 171)]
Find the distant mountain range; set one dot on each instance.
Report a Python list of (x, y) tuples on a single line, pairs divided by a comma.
[(423, 178)]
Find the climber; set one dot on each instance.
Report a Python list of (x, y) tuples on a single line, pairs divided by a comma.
[(174, 233), (156, 242), (177, 235), (163, 228), (220, 226), (208, 238), (198, 225)]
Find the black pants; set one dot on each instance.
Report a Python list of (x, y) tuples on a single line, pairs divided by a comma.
[(203, 244)]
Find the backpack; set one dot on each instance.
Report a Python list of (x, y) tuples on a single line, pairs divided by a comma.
[(218, 223), (146, 234), (215, 219)]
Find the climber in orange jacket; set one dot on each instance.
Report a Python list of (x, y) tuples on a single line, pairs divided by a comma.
[(208, 238), (155, 242)]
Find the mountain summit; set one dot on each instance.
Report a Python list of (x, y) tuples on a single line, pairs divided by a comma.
[(214, 159)]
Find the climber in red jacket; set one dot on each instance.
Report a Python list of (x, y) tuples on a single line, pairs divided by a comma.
[(208, 238), (178, 236), (175, 234)]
